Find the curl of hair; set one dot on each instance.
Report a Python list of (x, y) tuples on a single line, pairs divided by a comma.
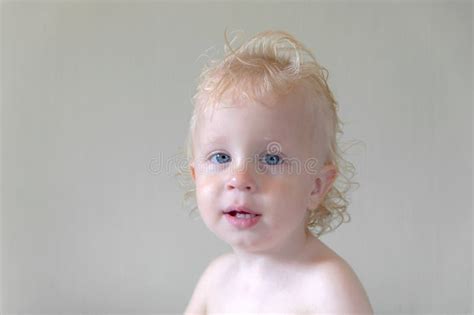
[(273, 63)]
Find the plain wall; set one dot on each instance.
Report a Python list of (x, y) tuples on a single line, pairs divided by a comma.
[(94, 93)]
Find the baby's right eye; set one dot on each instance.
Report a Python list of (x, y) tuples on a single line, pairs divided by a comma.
[(220, 158)]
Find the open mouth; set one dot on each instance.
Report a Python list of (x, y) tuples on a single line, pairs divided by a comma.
[(242, 214), (241, 219)]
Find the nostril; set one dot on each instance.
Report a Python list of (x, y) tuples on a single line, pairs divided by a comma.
[(244, 187)]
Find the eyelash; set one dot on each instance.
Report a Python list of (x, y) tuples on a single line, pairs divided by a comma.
[(282, 160)]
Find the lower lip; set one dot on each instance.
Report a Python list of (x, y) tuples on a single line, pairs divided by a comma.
[(242, 223)]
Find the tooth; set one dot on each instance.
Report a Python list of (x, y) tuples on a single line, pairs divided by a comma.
[(245, 215)]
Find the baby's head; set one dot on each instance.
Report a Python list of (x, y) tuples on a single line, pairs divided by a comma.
[(263, 139)]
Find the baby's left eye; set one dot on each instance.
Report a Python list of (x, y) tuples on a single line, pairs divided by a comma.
[(272, 159)]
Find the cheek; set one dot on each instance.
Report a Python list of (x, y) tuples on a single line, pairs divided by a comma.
[(289, 195), (206, 190)]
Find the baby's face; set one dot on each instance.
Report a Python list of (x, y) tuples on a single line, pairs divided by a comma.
[(262, 160)]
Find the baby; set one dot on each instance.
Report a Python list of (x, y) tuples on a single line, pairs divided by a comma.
[(263, 158)]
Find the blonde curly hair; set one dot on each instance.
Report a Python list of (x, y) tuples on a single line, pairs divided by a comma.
[(273, 63)]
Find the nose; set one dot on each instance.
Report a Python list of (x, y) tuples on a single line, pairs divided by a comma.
[(241, 180)]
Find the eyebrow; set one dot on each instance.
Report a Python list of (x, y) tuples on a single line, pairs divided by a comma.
[(213, 140), (221, 139)]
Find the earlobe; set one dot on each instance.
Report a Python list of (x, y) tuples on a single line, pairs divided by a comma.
[(322, 184), (324, 180), (193, 172), (317, 186)]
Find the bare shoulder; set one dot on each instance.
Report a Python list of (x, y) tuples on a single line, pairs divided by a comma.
[(339, 289), (198, 302)]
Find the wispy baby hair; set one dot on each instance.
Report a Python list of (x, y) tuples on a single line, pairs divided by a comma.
[(274, 63)]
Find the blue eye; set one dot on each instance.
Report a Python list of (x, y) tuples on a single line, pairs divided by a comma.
[(273, 159), (221, 158)]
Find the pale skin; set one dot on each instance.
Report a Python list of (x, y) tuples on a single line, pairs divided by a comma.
[(276, 266)]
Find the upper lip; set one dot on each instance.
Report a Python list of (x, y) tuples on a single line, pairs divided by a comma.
[(241, 209)]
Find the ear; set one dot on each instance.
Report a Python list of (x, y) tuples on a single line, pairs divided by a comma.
[(322, 183), (193, 171)]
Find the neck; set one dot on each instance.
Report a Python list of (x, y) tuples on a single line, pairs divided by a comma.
[(272, 261)]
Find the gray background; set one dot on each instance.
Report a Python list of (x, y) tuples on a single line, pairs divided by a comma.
[(93, 92)]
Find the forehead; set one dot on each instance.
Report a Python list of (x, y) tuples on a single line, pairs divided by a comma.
[(286, 118)]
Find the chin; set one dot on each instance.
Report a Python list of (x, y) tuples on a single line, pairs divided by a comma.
[(249, 248), (247, 243)]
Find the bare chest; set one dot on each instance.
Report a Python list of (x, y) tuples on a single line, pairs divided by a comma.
[(257, 297)]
